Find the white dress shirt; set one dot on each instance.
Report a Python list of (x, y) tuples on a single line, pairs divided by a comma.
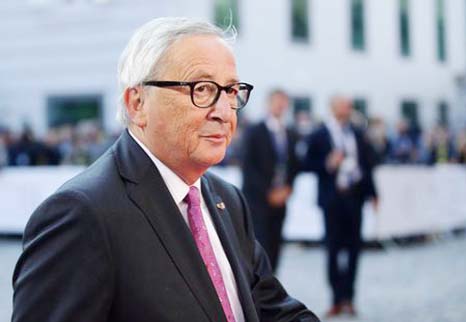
[(178, 190), (349, 172), (276, 127), (278, 130)]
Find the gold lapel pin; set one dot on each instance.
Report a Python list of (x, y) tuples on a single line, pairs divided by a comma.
[(221, 205)]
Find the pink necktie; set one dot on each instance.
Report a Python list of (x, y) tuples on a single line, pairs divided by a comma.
[(199, 231)]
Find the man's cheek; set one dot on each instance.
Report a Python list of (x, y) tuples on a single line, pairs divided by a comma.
[(192, 140)]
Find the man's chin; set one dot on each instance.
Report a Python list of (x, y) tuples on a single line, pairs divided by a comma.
[(216, 161), (211, 159)]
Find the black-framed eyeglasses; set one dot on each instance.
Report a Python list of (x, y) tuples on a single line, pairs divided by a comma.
[(204, 94)]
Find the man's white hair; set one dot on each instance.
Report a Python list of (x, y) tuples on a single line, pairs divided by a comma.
[(146, 48)]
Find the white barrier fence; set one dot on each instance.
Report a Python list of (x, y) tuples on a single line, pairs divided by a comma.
[(22, 189), (413, 200)]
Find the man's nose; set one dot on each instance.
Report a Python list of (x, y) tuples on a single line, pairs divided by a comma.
[(222, 110)]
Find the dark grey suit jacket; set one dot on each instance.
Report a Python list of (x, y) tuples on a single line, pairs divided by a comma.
[(319, 147), (260, 160), (111, 245)]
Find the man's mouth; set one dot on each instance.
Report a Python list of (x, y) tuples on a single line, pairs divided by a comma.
[(216, 138)]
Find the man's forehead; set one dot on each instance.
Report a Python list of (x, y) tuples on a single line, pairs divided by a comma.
[(198, 46), (202, 56)]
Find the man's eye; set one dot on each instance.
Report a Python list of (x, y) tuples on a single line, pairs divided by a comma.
[(231, 90), (204, 88)]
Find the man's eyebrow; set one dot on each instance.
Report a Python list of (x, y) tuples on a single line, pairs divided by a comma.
[(203, 76), (207, 76), (233, 80)]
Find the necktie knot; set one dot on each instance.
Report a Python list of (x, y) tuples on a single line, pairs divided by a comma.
[(193, 198)]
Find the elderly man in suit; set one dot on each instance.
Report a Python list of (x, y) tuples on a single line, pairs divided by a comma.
[(341, 157), (145, 234), (269, 168)]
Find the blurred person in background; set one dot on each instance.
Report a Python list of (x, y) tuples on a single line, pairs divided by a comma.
[(303, 125), (78, 153), (343, 161), (378, 138), (269, 168), (29, 151), (404, 146), (26, 150), (145, 234), (461, 146), (359, 120), (94, 139), (441, 148), (52, 155), (65, 142), (3, 147), (83, 143)]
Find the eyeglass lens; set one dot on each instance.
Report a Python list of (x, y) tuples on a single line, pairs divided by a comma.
[(205, 93)]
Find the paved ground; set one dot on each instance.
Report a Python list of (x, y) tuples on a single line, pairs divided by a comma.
[(9, 252), (423, 283)]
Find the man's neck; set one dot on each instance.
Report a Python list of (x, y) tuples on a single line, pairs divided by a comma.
[(274, 122), (341, 121)]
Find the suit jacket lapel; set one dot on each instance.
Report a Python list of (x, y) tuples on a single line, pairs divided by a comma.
[(148, 191), (226, 232), (269, 143), (327, 139)]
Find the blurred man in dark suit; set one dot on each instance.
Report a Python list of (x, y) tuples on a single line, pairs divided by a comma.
[(340, 156), (145, 234), (269, 168)]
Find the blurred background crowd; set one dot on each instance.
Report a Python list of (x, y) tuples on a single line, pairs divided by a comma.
[(79, 144), (84, 142)]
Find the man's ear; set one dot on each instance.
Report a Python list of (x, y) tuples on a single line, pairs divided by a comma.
[(134, 103)]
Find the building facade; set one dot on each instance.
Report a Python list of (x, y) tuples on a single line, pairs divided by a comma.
[(395, 58)]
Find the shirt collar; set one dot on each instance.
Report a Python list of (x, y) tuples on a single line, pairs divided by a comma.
[(273, 124), (335, 125), (332, 121), (176, 186)]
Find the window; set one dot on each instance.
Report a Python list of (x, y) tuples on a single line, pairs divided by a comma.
[(72, 109), (443, 114), (441, 34), (302, 104), (226, 12), (357, 24), (302, 110), (360, 105), (299, 19), (409, 112), (404, 28)]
